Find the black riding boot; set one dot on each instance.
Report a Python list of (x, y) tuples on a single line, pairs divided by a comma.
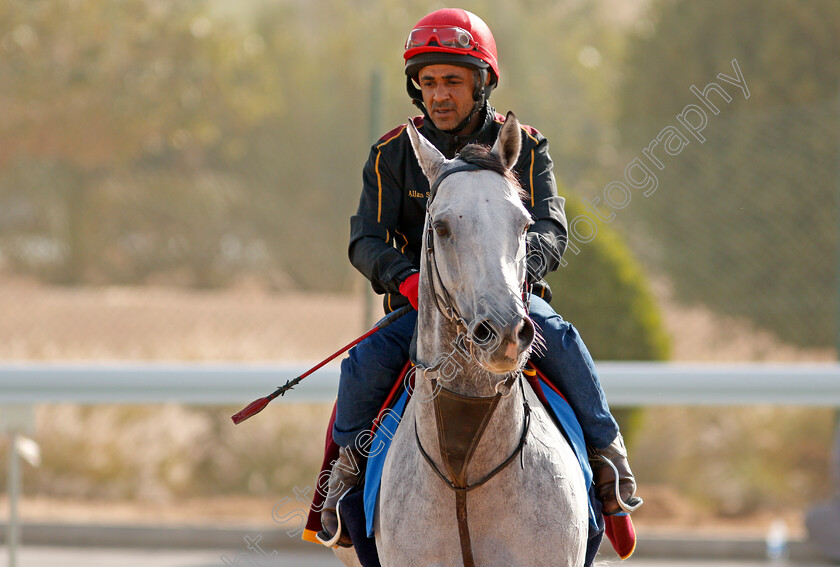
[(613, 478), (346, 473)]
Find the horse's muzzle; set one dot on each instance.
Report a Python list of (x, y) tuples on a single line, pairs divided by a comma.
[(502, 345)]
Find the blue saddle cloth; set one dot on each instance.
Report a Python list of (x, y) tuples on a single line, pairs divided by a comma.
[(388, 425)]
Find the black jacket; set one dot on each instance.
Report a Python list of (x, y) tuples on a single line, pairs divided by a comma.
[(386, 231)]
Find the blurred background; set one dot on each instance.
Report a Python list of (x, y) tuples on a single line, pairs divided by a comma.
[(176, 182)]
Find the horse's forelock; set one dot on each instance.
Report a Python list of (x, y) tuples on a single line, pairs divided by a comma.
[(480, 155)]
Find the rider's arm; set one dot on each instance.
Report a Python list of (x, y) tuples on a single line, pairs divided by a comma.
[(372, 228), (548, 235)]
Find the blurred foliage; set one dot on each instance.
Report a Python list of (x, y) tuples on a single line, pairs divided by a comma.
[(745, 222), (199, 142), (693, 463), (123, 116), (734, 461), (605, 295), (165, 452)]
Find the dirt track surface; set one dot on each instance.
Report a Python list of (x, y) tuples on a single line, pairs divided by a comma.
[(157, 323), (50, 323)]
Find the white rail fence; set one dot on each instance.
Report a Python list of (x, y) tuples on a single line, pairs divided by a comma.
[(625, 383)]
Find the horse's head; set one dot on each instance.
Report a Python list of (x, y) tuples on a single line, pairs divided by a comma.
[(474, 251)]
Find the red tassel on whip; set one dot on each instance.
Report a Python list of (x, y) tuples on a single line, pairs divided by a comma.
[(257, 406), (253, 408)]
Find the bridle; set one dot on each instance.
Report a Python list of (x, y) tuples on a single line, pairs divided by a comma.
[(461, 420), (443, 301)]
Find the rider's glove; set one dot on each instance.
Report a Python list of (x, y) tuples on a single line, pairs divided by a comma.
[(409, 288)]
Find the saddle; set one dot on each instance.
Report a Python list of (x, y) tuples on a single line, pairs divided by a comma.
[(358, 507)]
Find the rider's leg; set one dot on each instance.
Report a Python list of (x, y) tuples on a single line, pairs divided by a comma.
[(566, 361), (367, 375)]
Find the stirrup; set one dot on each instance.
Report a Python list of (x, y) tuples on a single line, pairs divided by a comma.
[(633, 501), (330, 540)]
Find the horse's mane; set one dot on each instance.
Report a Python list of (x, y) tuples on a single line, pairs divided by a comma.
[(480, 154)]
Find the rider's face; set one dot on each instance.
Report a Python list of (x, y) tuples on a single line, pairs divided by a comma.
[(447, 93)]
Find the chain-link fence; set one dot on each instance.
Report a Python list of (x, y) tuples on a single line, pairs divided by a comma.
[(174, 198), (738, 231), (738, 238)]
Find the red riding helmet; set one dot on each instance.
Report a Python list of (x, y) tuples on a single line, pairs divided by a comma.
[(451, 36)]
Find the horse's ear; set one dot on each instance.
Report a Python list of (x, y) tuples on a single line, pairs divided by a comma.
[(509, 143), (428, 156)]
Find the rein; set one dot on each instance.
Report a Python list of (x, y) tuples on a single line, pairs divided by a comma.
[(461, 420)]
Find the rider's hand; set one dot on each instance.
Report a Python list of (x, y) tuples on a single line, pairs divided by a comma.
[(409, 288)]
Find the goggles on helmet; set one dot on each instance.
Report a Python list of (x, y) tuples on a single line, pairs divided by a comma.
[(453, 37)]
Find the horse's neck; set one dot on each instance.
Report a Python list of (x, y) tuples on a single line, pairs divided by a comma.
[(437, 340)]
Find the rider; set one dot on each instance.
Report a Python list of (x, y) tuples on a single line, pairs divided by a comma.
[(451, 56)]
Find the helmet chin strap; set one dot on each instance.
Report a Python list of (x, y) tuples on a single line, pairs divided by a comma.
[(477, 106)]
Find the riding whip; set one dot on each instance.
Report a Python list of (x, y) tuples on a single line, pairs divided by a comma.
[(257, 406)]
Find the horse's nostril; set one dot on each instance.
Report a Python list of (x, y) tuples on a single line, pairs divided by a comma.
[(483, 334), (526, 332)]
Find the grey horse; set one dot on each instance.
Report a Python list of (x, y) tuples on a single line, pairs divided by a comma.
[(525, 503)]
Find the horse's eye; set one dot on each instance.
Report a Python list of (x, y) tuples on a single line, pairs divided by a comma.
[(441, 230)]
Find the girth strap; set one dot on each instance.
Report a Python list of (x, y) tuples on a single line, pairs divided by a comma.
[(464, 528)]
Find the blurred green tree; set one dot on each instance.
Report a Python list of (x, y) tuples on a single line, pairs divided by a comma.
[(745, 222), (605, 294)]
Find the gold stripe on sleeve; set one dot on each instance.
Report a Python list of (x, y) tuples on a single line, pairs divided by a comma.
[(379, 183), (532, 162), (378, 175), (532, 178)]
